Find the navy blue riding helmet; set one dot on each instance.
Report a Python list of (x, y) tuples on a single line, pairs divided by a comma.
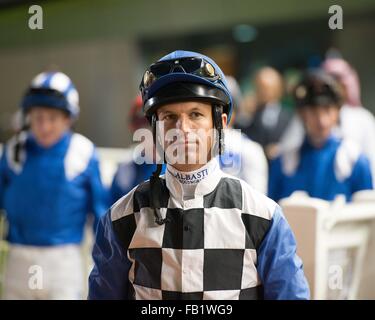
[(197, 76), (53, 90), (317, 88)]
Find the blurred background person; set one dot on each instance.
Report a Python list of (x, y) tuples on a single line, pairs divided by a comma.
[(49, 182), (243, 157), (355, 122), (324, 165), (130, 172), (270, 118)]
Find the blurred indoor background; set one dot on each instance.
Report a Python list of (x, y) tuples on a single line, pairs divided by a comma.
[(105, 45)]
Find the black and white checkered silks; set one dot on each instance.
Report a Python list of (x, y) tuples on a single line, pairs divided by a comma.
[(207, 250)]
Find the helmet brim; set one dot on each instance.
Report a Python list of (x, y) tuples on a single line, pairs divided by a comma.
[(186, 91)]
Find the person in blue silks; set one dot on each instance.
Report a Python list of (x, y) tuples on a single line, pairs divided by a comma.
[(49, 183), (325, 164)]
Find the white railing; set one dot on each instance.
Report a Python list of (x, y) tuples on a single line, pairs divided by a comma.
[(334, 240), (109, 160)]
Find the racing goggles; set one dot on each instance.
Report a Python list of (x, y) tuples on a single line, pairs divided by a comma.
[(195, 66)]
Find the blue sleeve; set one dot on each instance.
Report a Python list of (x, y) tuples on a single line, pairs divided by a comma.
[(279, 267), (99, 197), (3, 168), (109, 277), (361, 178), (274, 180)]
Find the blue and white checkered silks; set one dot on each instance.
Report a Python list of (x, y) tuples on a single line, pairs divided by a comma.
[(55, 90), (229, 242)]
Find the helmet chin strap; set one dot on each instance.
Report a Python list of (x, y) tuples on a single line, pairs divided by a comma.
[(217, 112), (20, 143), (156, 189), (156, 184), (18, 148)]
